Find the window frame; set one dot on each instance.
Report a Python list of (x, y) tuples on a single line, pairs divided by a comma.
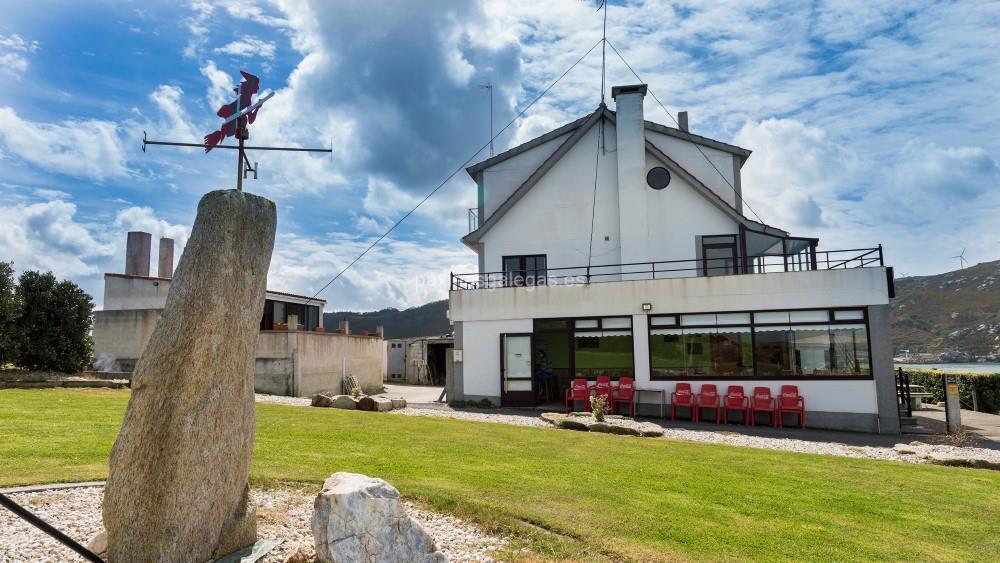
[(523, 270), (753, 342), (571, 330), (734, 245)]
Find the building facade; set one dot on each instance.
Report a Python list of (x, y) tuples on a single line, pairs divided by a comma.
[(616, 246), (295, 355)]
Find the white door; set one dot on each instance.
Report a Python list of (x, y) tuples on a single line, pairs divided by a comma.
[(516, 370)]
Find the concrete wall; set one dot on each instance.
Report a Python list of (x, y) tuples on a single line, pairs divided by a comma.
[(688, 156), (129, 292), (481, 316), (304, 363), (123, 334)]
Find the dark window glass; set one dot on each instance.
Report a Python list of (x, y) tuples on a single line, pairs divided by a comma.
[(719, 255), (522, 271), (607, 352), (772, 347), (722, 351), (850, 350)]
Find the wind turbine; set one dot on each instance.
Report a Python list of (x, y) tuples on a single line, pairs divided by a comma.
[(961, 259)]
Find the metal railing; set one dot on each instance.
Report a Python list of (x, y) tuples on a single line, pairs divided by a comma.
[(771, 263), (473, 218)]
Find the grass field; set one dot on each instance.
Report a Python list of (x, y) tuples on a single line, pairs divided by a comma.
[(568, 495)]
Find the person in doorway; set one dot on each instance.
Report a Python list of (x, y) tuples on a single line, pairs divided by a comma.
[(543, 378)]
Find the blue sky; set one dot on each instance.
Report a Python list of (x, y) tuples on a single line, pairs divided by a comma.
[(871, 122)]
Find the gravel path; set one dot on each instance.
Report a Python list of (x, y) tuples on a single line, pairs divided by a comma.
[(917, 452), (281, 513)]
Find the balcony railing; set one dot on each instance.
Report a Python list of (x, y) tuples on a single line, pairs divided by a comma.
[(771, 263)]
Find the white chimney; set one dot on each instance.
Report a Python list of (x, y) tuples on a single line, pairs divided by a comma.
[(165, 261), (631, 137)]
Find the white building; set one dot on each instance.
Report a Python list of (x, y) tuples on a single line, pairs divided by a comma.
[(617, 246)]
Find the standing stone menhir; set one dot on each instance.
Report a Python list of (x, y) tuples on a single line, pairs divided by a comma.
[(177, 488)]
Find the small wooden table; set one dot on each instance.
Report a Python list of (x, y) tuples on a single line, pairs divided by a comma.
[(663, 397)]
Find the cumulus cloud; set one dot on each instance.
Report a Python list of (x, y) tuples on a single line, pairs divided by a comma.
[(175, 123), (89, 148), (46, 236)]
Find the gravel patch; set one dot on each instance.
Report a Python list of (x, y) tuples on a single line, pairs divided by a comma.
[(295, 401), (281, 513), (517, 420)]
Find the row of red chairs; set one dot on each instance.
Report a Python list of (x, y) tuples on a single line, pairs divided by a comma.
[(788, 401), (583, 390)]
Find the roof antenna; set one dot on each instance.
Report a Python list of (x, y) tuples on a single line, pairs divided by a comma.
[(489, 86), (604, 44)]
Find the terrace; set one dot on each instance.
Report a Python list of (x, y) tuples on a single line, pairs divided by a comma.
[(719, 259)]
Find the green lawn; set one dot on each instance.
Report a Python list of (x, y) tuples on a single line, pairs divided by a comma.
[(568, 495)]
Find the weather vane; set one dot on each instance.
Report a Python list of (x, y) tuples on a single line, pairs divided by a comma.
[(237, 116)]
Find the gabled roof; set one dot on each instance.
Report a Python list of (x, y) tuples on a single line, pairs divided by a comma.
[(579, 128), (569, 127)]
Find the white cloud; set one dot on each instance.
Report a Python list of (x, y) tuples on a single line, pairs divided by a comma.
[(220, 90), (48, 194), (14, 51), (47, 237), (89, 148), (250, 46), (174, 120)]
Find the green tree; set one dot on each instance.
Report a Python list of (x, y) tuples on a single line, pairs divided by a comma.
[(8, 312), (53, 324)]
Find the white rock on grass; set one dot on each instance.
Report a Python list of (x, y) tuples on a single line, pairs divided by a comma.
[(360, 518)]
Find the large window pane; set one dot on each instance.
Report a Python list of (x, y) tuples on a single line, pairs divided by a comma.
[(698, 350), (666, 352), (772, 348), (850, 350), (732, 352), (603, 353), (812, 349)]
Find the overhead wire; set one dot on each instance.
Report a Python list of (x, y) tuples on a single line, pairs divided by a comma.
[(452, 175)]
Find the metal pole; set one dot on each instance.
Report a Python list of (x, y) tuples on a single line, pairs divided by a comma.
[(239, 162), (491, 120), (44, 526)]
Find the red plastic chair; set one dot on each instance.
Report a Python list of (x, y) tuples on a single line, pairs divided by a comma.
[(708, 399), (624, 394), (603, 388), (682, 397), (578, 391), (762, 402), (736, 400), (789, 401)]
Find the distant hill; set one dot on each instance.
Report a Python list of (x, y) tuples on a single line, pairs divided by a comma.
[(426, 320), (955, 313)]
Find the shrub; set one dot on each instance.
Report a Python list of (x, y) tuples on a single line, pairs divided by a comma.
[(52, 324), (599, 407), (985, 385)]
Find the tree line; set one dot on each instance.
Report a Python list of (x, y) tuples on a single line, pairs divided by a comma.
[(45, 323)]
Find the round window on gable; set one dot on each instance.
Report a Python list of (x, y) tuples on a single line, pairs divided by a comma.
[(658, 178)]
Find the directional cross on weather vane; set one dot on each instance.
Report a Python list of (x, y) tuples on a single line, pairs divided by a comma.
[(237, 116)]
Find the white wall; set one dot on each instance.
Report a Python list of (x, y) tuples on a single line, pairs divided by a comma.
[(686, 154), (554, 217), (485, 314), (481, 356), (502, 179), (128, 292)]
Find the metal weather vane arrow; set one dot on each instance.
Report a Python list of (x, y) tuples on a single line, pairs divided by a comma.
[(237, 117)]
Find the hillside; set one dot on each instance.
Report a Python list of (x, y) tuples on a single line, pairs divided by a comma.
[(426, 320), (955, 313)]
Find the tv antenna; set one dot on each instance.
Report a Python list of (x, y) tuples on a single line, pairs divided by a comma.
[(489, 86), (237, 116), (961, 259)]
